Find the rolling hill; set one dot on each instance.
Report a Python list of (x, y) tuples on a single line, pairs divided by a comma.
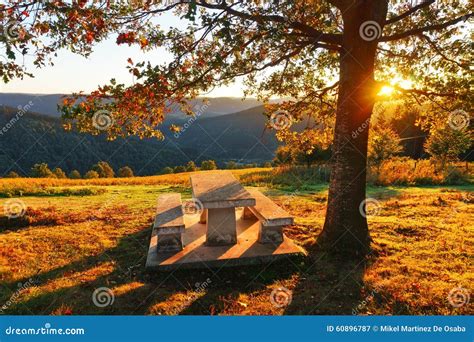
[(34, 138), (46, 104)]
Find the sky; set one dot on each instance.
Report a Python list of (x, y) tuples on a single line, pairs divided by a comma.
[(74, 73)]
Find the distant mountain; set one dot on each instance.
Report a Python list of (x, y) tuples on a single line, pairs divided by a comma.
[(240, 136), (47, 104), (33, 138)]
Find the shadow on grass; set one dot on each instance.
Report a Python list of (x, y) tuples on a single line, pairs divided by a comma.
[(321, 285)]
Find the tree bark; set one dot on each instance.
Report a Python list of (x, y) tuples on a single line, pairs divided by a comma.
[(345, 229)]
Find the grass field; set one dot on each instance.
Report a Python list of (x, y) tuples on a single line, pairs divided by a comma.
[(80, 235)]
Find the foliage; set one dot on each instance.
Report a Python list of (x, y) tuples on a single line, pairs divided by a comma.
[(42, 171), (59, 173), (208, 165), (125, 171), (104, 170), (287, 49), (283, 156), (91, 174), (384, 143), (445, 144), (167, 170), (191, 166), (12, 174), (231, 165), (179, 169), (74, 174), (406, 171)]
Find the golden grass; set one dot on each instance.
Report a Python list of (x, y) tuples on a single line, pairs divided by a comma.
[(422, 247)]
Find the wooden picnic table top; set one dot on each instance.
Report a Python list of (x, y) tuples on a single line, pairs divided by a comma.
[(220, 190)]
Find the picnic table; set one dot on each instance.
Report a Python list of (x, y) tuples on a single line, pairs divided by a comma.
[(223, 234), (220, 194)]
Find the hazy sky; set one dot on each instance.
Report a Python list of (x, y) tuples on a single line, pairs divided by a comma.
[(73, 73)]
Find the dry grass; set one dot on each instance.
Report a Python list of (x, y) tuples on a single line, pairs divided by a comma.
[(70, 246)]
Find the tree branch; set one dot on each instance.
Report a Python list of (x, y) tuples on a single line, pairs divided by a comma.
[(438, 50), (420, 30), (412, 10), (320, 36)]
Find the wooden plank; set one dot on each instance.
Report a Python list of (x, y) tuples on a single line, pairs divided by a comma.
[(220, 190), (268, 211), (169, 214)]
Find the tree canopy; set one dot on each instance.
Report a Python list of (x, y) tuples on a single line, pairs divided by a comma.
[(288, 49)]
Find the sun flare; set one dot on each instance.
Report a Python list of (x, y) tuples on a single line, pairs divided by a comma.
[(388, 90)]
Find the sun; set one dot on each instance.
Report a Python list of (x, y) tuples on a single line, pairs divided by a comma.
[(397, 82), (386, 91)]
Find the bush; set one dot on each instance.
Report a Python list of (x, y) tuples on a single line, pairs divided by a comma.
[(446, 144), (12, 174), (208, 165), (454, 176), (167, 170), (59, 173), (74, 174), (383, 144), (42, 171), (406, 171), (104, 170), (231, 165), (267, 165), (179, 169), (191, 166), (91, 174), (301, 176), (125, 172)]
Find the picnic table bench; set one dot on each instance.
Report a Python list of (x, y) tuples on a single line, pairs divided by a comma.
[(169, 222), (272, 218)]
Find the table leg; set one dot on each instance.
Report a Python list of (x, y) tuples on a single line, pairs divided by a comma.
[(247, 215), (221, 227), (203, 217)]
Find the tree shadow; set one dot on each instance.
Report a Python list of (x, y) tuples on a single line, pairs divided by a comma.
[(330, 285), (321, 284), (132, 290)]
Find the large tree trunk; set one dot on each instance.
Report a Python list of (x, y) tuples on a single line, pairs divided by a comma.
[(345, 229)]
